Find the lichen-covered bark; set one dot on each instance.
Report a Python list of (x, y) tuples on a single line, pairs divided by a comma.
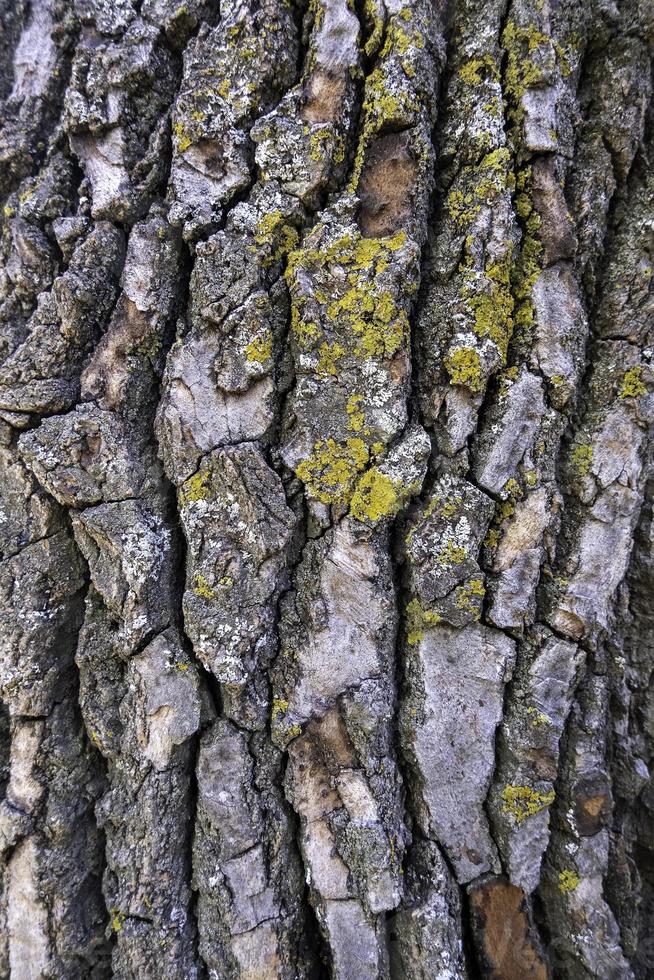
[(326, 489)]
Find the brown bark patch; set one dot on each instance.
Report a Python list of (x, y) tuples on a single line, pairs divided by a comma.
[(557, 231), (386, 185), (108, 371), (506, 945), (323, 97), (593, 805)]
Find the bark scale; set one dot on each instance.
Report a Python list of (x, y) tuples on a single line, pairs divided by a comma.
[(325, 422)]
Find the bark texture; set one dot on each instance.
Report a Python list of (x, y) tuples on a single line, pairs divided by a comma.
[(326, 394)]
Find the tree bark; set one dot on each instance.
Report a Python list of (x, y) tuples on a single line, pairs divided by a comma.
[(325, 423)]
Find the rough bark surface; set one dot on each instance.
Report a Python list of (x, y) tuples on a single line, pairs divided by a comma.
[(326, 391)]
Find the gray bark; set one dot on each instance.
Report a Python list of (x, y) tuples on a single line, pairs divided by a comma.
[(325, 431)]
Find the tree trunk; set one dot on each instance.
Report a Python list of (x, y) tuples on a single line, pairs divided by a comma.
[(325, 414)]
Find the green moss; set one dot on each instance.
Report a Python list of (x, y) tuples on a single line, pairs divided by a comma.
[(582, 459), (464, 368), (568, 881), (417, 620), (330, 473), (522, 802), (376, 496), (632, 384)]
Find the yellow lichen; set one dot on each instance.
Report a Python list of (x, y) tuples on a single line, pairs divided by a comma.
[(493, 307), (492, 538), (182, 138), (474, 70), (632, 384), (330, 472), (568, 881), (202, 588), (195, 488), (259, 350), (451, 554), (117, 919), (328, 357), (582, 459), (273, 231), (466, 595), (356, 417), (522, 802), (376, 496), (537, 717), (464, 368), (279, 707), (417, 620), (378, 326)]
